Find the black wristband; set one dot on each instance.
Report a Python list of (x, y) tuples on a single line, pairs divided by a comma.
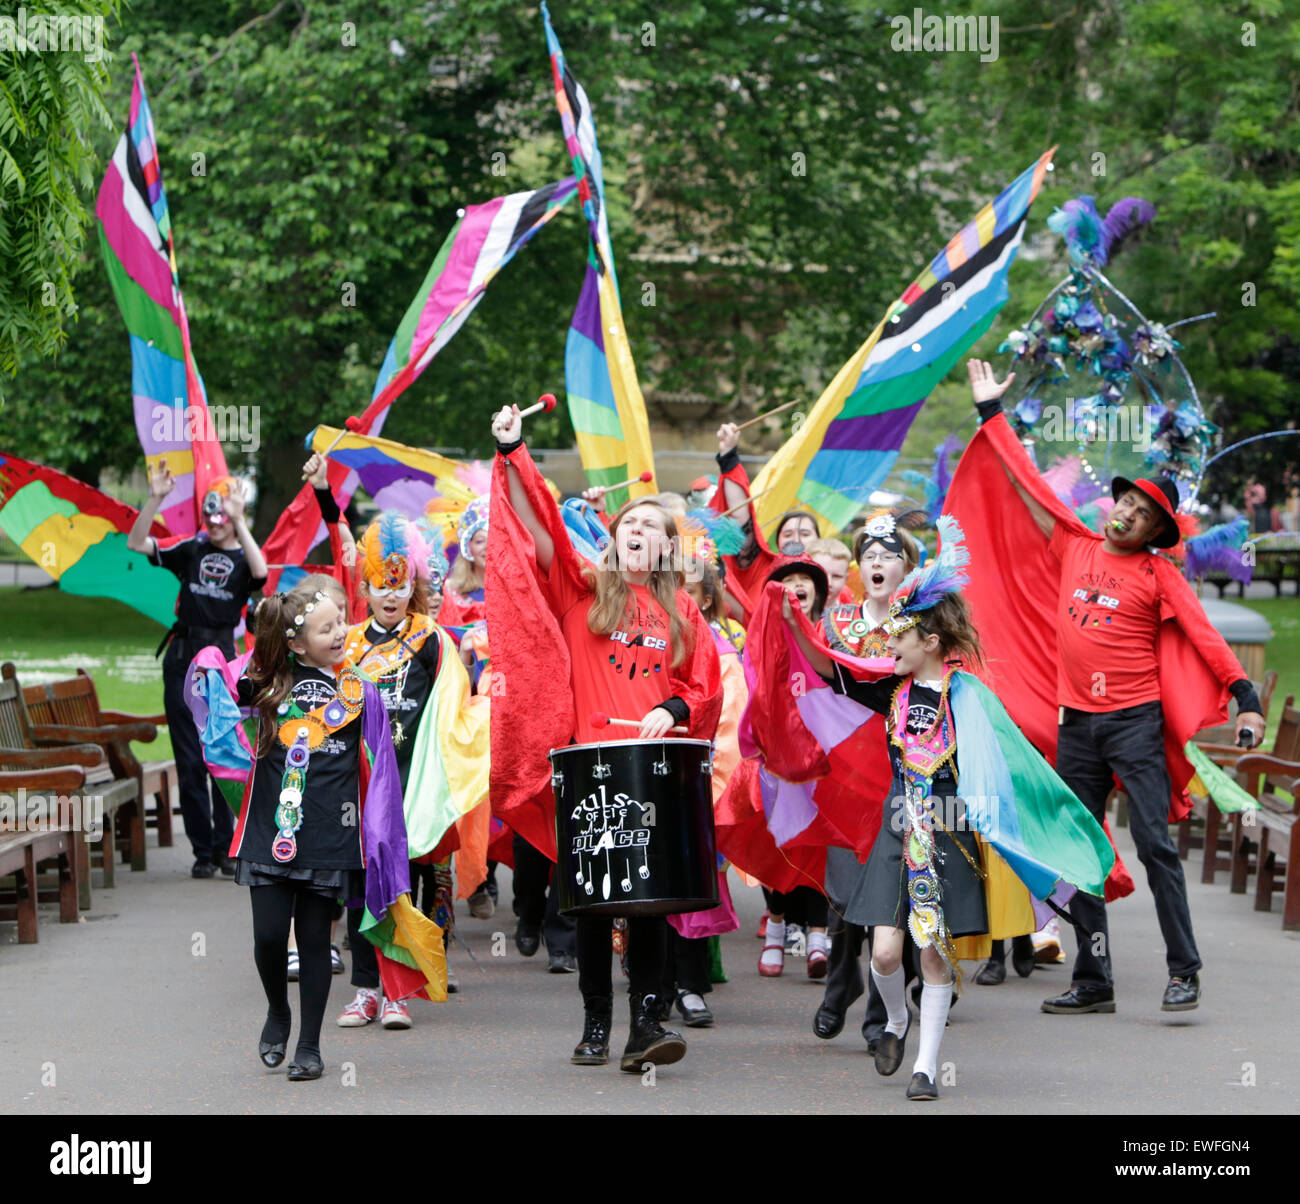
[(1244, 693), (678, 709), (988, 409), (504, 449), (727, 461), (329, 507)]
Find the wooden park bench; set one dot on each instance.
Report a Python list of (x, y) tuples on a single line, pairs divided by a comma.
[(117, 791), (74, 701), (1276, 784), (24, 850)]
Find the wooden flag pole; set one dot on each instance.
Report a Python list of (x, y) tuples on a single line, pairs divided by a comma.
[(769, 414)]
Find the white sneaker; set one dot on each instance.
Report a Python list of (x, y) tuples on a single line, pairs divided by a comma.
[(394, 1014), (481, 904)]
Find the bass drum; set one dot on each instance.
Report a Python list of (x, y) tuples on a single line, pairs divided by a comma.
[(634, 827)]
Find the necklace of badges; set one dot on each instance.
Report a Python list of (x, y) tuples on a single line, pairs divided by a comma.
[(300, 732), (923, 754)]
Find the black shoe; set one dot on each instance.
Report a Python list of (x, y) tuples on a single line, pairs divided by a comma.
[(1022, 955), (202, 869), (992, 973), (269, 1049), (561, 963), (225, 864), (593, 1049), (665, 1003), (649, 1041), (828, 1023), (305, 1067), (922, 1086), (1182, 994), (527, 939), (1079, 999), (889, 1050), (697, 1016)]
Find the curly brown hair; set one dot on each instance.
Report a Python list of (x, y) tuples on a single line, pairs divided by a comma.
[(950, 620)]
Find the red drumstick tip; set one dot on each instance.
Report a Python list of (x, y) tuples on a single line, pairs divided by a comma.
[(647, 477), (352, 422), (599, 719), (548, 401)]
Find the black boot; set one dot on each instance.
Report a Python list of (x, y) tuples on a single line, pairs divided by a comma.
[(593, 1049), (649, 1041)]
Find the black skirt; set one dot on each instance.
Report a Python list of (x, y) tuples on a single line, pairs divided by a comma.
[(332, 883), (880, 896)]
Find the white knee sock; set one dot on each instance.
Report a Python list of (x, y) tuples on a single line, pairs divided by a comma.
[(935, 1002), (893, 991)]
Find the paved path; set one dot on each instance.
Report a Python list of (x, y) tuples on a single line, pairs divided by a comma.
[(129, 1020)]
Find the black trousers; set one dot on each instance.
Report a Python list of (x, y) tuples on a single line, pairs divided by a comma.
[(846, 980), (536, 905), (647, 938), (209, 823), (686, 965), (1127, 743), (365, 962)]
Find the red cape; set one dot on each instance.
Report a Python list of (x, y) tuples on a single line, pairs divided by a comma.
[(532, 692), (1015, 582)]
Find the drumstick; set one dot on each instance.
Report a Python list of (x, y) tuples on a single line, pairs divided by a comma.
[(647, 477), (545, 402), (600, 719), (350, 423), (760, 417), (746, 502)]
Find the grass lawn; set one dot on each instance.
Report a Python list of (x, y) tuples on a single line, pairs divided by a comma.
[(49, 634), (1283, 650)]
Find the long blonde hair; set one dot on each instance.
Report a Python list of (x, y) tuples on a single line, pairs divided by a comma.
[(612, 592)]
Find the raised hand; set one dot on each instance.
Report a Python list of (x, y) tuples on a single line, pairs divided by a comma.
[(316, 470), (728, 437), (507, 425), (595, 498), (160, 480), (233, 502), (983, 383)]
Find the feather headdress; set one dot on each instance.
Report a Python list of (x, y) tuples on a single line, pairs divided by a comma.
[(474, 520), (922, 588), (1089, 237), (390, 548), (706, 535)]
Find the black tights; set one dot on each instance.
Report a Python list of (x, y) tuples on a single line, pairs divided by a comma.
[(803, 905), (274, 906), (647, 941)]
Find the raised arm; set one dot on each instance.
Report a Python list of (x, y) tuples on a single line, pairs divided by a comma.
[(160, 485), (816, 656), (233, 504), (987, 392), (507, 429)]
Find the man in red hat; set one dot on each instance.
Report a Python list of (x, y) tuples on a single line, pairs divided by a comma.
[(1117, 617)]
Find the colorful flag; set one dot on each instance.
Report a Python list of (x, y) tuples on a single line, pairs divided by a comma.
[(605, 403), (484, 239), (78, 535), (135, 234), (852, 438)]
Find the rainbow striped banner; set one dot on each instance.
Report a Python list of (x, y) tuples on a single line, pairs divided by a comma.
[(135, 235), (605, 402), (852, 438)]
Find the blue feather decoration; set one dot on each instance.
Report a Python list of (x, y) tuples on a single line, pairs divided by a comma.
[(725, 532), (1219, 550), (1079, 223), (945, 574), (392, 534)]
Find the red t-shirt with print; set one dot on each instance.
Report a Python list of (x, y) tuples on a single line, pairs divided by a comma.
[(624, 674), (1107, 620)]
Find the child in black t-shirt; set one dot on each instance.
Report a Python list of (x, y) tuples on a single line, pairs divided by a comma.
[(218, 569)]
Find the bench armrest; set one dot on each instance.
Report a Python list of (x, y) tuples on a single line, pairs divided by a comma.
[(1263, 763), (60, 777), (88, 756), (50, 733), (124, 717)]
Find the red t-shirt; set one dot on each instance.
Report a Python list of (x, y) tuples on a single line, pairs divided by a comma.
[(1107, 620), (624, 674)]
